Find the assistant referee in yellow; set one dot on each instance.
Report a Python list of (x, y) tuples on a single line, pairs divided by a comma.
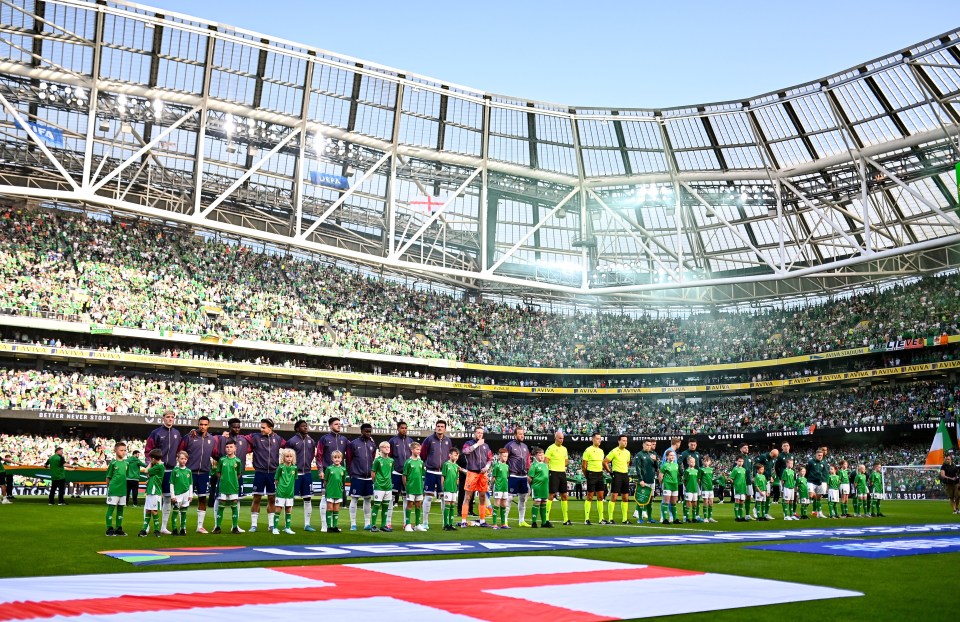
[(617, 463), (557, 460), (592, 468)]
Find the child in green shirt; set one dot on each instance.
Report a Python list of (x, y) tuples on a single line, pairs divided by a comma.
[(116, 489), (286, 480)]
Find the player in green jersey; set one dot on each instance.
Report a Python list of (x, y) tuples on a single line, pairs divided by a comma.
[(706, 489), (788, 490), (670, 485), (450, 481), (286, 482), (876, 489), (117, 489), (539, 476), (228, 469), (382, 475), (500, 473), (861, 492), (760, 491), (414, 473), (334, 477), (691, 486), (645, 464), (181, 489), (151, 504), (844, 473), (738, 478)]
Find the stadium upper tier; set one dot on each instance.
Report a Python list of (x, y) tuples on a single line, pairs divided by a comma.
[(141, 275), (220, 399), (812, 189)]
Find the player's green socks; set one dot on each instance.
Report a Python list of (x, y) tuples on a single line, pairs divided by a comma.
[(544, 514), (876, 504), (156, 522), (174, 519), (845, 509), (747, 507), (384, 515), (686, 512), (109, 516), (673, 511), (183, 519), (586, 508), (119, 517), (235, 513), (662, 506), (417, 515), (565, 510), (218, 517), (289, 517), (406, 516), (336, 519)]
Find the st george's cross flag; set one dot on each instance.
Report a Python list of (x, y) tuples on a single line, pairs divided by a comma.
[(547, 588)]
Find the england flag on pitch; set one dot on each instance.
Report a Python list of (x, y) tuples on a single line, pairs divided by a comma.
[(531, 588)]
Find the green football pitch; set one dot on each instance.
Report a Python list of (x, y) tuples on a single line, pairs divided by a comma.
[(59, 540)]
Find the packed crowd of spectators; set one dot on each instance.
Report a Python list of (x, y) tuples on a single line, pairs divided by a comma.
[(131, 274), (92, 452), (152, 394)]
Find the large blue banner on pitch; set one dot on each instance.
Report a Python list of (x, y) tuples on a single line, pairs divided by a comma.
[(356, 550), (871, 549)]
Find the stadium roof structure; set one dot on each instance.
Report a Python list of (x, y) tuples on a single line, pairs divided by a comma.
[(820, 187)]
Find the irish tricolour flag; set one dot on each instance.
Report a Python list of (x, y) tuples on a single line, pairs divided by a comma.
[(941, 444)]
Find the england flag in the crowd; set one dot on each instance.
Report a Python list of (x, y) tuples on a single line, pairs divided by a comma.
[(530, 588)]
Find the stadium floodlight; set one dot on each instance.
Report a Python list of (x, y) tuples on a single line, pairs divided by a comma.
[(121, 101), (157, 107), (229, 125), (319, 142)]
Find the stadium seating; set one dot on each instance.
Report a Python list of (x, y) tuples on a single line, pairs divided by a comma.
[(144, 276), (220, 399)]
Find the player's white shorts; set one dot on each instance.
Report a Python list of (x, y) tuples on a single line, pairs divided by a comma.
[(449, 497), (749, 490), (283, 503), (833, 495), (382, 495), (739, 497), (413, 498), (691, 496), (183, 500), (822, 489), (229, 497), (769, 487), (760, 496), (706, 494), (119, 501), (788, 494), (152, 502), (334, 499), (876, 495), (804, 500), (501, 495), (844, 489)]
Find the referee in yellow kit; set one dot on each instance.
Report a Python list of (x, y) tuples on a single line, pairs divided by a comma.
[(593, 472), (557, 461), (617, 462)]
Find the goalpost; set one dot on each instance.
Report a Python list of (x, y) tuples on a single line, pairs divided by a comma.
[(912, 482)]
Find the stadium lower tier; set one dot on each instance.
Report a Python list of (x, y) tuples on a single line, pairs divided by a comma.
[(65, 390)]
